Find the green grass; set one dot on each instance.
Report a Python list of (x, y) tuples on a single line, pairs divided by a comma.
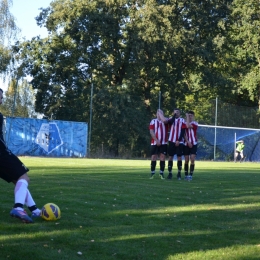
[(112, 210)]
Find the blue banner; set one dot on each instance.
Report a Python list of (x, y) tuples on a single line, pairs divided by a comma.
[(41, 137)]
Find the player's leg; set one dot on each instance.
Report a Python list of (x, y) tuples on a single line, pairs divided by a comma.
[(186, 153), (162, 165), (237, 156), (16, 172), (20, 192), (163, 152), (192, 161), (170, 159), (179, 152), (192, 165), (153, 160), (170, 164), (30, 203), (179, 165), (241, 156)]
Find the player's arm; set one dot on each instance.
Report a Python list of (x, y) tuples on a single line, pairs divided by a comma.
[(152, 133), (188, 123), (2, 140), (162, 117), (182, 135), (1, 127), (187, 140), (171, 120)]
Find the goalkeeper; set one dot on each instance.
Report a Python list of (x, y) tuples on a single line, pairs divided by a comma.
[(240, 151)]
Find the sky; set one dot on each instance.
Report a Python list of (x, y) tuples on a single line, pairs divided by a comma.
[(25, 12)]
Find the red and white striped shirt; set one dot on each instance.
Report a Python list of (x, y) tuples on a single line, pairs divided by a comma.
[(161, 131), (191, 133), (175, 130)]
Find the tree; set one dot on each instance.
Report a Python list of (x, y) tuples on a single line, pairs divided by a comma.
[(245, 40), (19, 100), (80, 59), (128, 48), (8, 31)]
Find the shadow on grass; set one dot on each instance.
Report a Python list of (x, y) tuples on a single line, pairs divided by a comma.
[(110, 213)]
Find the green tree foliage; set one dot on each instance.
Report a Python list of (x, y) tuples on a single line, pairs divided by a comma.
[(129, 51), (19, 100), (8, 30), (245, 39)]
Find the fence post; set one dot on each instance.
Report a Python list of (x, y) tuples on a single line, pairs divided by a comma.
[(90, 117), (215, 139), (235, 138)]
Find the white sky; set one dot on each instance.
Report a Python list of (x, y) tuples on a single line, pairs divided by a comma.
[(25, 12)]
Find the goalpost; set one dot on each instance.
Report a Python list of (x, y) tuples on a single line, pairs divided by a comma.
[(219, 142)]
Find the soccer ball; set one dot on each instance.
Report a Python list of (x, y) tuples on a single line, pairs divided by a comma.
[(50, 211)]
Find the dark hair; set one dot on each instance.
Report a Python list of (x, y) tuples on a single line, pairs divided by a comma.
[(1, 90), (176, 109), (191, 112)]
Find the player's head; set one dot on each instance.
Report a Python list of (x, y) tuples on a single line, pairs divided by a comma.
[(1, 96), (177, 112), (191, 113)]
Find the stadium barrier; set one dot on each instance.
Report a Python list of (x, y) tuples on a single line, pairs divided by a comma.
[(54, 138), (42, 137)]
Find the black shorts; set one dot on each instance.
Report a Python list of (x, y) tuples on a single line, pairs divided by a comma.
[(175, 149), (188, 151), (11, 168), (159, 149)]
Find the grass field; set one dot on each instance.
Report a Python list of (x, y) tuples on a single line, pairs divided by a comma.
[(112, 210)]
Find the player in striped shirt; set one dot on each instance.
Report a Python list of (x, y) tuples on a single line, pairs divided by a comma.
[(190, 148), (175, 141), (159, 134)]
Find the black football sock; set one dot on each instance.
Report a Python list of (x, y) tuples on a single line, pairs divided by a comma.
[(162, 166), (179, 168), (18, 205), (170, 163), (32, 208), (192, 166), (186, 169), (153, 165)]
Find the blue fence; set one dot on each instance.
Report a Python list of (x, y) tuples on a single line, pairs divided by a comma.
[(40, 137)]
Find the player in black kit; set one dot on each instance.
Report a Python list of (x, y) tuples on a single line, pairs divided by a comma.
[(13, 170)]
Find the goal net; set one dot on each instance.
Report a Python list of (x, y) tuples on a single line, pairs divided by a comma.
[(219, 143)]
